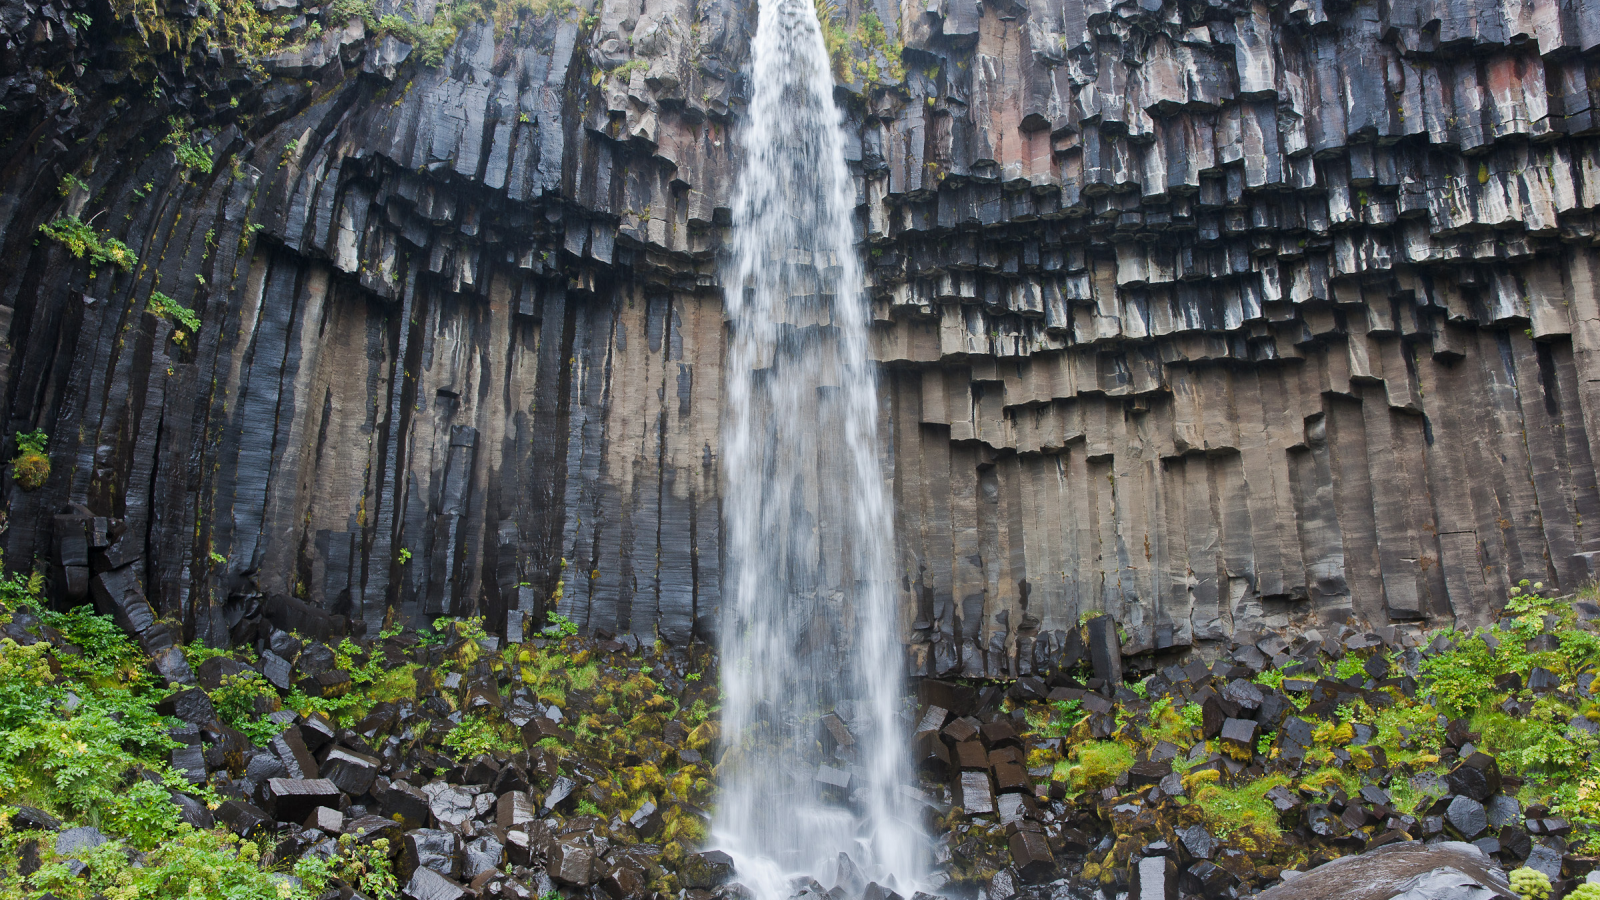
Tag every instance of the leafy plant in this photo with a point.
(1530, 884)
(1193, 715)
(365, 867)
(162, 305)
(70, 182)
(81, 240)
(31, 467)
(479, 734)
(187, 862)
(190, 155)
(561, 625)
(237, 700)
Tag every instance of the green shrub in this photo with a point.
(190, 155)
(479, 734)
(188, 863)
(162, 305)
(236, 703)
(1530, 884)
(365, 867)
(81, 240)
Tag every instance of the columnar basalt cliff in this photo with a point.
(1215, 316)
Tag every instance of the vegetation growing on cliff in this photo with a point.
(81, 240)
(869, 38)
(31, 467)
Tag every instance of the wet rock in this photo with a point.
(706, 870)
(426, 884)
(962, 730)
(1000, 733)
(77, 840)
(624, 883)
(876, 891)
(1546, 860)
(211, 673)
(1003, 886)
(514, 809)
(483, 855)
(835, 733)
(1207, 879)
(293, 799)
(432, 849)
(1409, 870)
(277, 670)
(1154, 878)
(976, 795)
(560, 795)
(1198, 842)
(1147, 772)
(29, 818)
(1477, 776)
(1243, 694)
(972, 755)
(646, 820)
(572, 862)
(453, 806)
(192, 812)
(1240, 735)
(297, 760)
(833, 781)
(190, 762)
(1467, 816)
(369, 828)
(403, 803)
(1030, 854)
(1542, 680)
(317, 732)
(351, 772)
(243, 819)
(1105, 649)
(327, 820)
(192, 706)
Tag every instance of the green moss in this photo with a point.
(584, 678)
(625, 71)
(1098, 763)
(399, 683)
(479, 734)
(1232, 810)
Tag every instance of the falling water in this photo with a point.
(809, 623)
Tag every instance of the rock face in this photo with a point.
(1212, 316)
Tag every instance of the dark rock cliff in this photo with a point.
(1215, 316)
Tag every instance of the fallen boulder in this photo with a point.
(1403, 871)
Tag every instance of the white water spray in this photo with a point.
(809, 621)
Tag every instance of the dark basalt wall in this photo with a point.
(1215, 316)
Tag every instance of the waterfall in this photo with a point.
(809, 619)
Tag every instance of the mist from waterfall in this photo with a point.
(809, 620)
